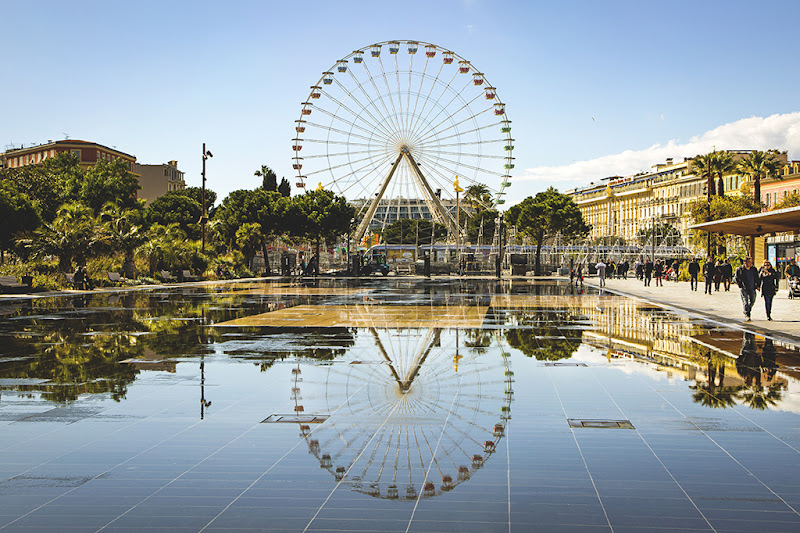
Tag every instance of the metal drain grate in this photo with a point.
(609, 424)
(295, 419)
(564, 364)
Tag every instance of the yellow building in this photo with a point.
(627, 206)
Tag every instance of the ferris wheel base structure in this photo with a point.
(401, 127)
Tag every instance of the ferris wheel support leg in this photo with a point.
(434, 204)
(363, 226)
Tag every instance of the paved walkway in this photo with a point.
(723, 307)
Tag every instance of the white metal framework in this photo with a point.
(401, 120)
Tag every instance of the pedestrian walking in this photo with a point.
(638, 269)
(717, 275)
(768, 279)
(694, 270)
(747, 279)
(709, 271)
(658, 273)
(648, 272)
(676, 267)
(625, 266)
(601, 272)
(580, 273)
(727, 274)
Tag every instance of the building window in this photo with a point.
(76, 153)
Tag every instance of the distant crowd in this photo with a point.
(716, 274)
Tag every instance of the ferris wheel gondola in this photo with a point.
(391, 131)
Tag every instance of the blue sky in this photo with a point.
(593, 88)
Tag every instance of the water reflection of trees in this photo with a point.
(539, 334)
(267, 346)
(65, 347)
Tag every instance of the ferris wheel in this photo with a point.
(396, 127)
(415, 418)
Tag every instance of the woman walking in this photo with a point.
(769, 286)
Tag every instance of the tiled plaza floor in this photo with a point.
(391, 405)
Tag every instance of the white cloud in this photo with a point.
(754, 133)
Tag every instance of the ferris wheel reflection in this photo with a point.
(418, 413)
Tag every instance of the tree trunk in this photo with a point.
(757, 191)
(537, 261)
(720, 186)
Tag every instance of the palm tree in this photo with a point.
(478, 195)
(71, 236)
(710, 165)
(123, 235)
(162, 245)
(755, 166)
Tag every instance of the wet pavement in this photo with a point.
(391, 405)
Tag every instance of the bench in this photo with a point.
(404, 268)
(114, 277)
(187, 276)
(9, 283)
(166, 276)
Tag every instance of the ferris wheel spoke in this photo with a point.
(411, 126)
(350, 123)
(389, 116)
(341, 132)
(400, 115)
(368, 185)
(376, 122)
(389, 97)
(467, 154)
(425, 119)
(458, 134)
(408, 93)
(434, 133)
(442, 108)
(337, 166)
(372, 101)
(450, 112)
(471, 167)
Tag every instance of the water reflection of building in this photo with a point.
(730, 362)
(150, 360)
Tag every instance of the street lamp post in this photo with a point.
(203, 217)
(458, 189)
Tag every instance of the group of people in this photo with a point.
(309, 269)
(715, 274)
(750, 279)
(609, 269)
(718, 273)
(81, 279)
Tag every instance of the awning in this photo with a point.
(757, 224)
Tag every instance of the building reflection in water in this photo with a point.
(728, 367)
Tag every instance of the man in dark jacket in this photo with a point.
(727, 274)
(709, 271)
(648, 272)
(747, 280)
(694, 270)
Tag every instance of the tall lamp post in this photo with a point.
(203, 217)
(458, 189)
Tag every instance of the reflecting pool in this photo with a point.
(390, 405)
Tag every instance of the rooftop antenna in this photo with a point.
(66, 135)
